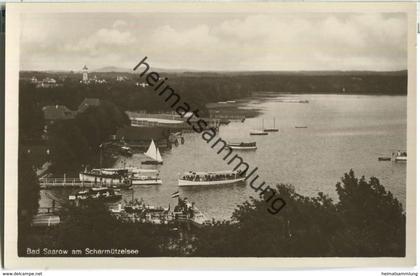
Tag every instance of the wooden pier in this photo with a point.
(47, 183)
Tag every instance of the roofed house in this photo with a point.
(46, 83)
(142, 136)
(88, 102)
(54, 113)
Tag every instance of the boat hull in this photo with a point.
(111, 198)
(400, 159)
(84, 177)
(243, 148)
(271, 130)
(384, 158)
(146, 181)
(151, 162)
(182, 182)
(258, 133)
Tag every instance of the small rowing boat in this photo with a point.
(243, 146)
(272, 129)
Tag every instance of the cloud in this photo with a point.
(119, 24)
(103, 39)
(271, 41)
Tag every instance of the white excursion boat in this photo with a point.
(145, 177)
(400, 156)
(242, 146)
(105, 176)
(115, 176)
(139, 176)
(153, 153)
(210, 178)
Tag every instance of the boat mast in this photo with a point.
(100, 156)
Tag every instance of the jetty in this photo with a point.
(47, 183)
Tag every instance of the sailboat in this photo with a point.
(272, 129)
(154, 154)
(259, 132)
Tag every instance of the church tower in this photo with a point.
(85, 77)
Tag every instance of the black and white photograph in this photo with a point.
(227, 131)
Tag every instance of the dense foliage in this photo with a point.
(28, 197)
(199, 89)
(74, 143)
(367, 221)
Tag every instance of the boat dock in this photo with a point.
(47, 183)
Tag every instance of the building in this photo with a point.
(45, 83)
(142, 136)
(54, 113)
(142, 84)
(85, 76)
(121, 78)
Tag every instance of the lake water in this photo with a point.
(343, 132)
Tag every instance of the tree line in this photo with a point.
(199, 89)
(366, 221)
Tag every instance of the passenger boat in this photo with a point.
(243, 146)
(399, 156)
(272, 129)
(145, 177)
(137, 211)
(153, 153)
(210, 178)
(186, 210)
(99, 193)
(105, 176)
(138, 176)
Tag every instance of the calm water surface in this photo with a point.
(344, 132)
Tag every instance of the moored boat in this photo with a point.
(186, 210)
(145, 177)
(258, 132)
(243, 146)
(272, 129)
(126, 151)
(97, 193)
(383, 158)
(138, 176)
(210, 178)
(399, 156)
(105, 176)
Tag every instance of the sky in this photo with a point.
(215, 41)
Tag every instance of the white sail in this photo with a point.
(158, 156)
(153, 152)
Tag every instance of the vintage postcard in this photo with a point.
(243, 135)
